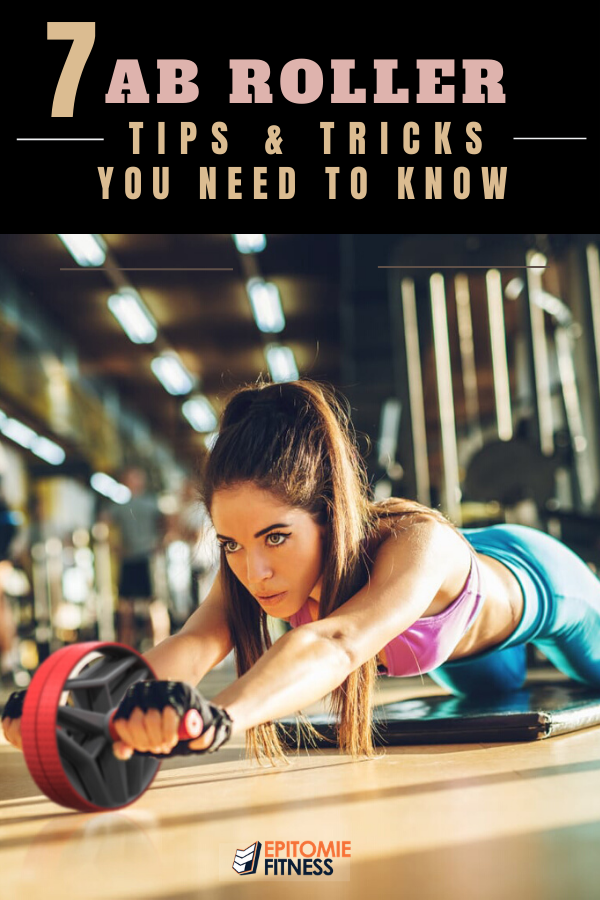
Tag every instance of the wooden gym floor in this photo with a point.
(471, 821)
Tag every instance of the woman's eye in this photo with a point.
(226, 545)
(278, 534)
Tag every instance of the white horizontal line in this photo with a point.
(60, 139)
(439, 266)
(550, 139)
(154, 269)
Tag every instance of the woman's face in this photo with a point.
(270, 547)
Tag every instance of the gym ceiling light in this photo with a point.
(210, 440)
(281, 363)
(172, 373)
(110, 488)
(132, 315)
(26, 437)
(200, 414)
(250, 243)
(266, 305)
(86, 249)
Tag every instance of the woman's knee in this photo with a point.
(499, 682)
(499, 673)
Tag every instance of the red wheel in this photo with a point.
(28, 731)
(66, 739)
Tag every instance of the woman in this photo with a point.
(360, 583)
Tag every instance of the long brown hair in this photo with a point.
(297, 440)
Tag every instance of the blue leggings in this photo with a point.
(561, 614)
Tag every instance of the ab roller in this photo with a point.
(68, 733)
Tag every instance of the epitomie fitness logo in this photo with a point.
(246, 861)
(292, 857)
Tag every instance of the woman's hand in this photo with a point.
(153, 732)
(11, 718)
(12, 732)
(148, 718)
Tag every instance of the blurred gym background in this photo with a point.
(471, 361)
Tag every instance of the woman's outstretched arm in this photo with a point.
(301, 667)
(203, 642)
(307, 663)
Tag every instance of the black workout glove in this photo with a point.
(14, 705)
(182, 697)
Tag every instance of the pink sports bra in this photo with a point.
(430, 640)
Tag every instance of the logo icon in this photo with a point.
(246, 861)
